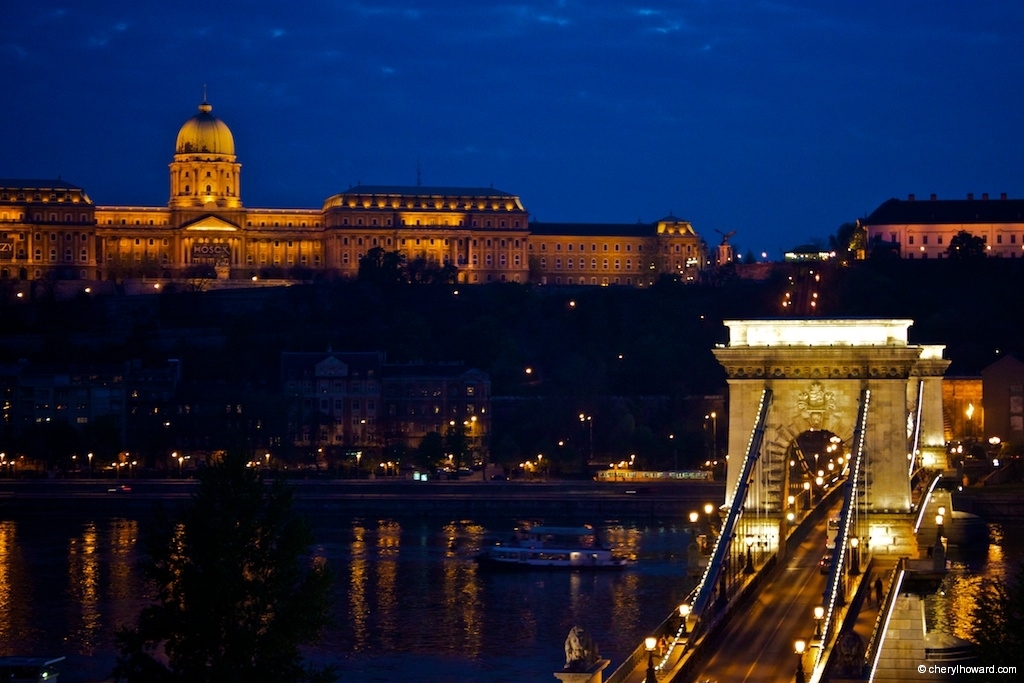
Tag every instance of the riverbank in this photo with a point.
(549, 500)
(1004, 501)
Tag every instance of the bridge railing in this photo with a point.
(835, 586)
(885, 610)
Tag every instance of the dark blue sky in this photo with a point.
(779, 120)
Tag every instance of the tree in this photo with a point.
(382, 268)
(236, 598)
(430, 452)
(965, 246)
(456, 443)
(849, 241)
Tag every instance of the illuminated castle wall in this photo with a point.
(53, 229)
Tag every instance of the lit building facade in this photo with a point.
(633, 254)
(357, 400)
(918, 228)
(52, 229)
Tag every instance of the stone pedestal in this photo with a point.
(591, 675)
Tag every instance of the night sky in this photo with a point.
(779, 120)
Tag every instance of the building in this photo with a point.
(1003, 389)
(923, 228)
(52, 229)
(633, 254)
(356, 400)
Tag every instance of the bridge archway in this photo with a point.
(816, 369)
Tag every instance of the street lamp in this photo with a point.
(854, 556)
(807, 500)
(650, 642)
(799, 647)
(749, 569)
(684, 614)
(939, 528)
(589, 421)
(819, 614)
(713, 416)
(90, 463)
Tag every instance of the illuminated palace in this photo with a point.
(923, 228)
(52, 229)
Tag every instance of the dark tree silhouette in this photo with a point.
(964, 246)
(237, 596)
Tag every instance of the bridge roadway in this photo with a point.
(758, 645)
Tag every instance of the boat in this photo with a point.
(551, 547)
(30, 669)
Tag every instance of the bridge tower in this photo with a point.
(816, 370)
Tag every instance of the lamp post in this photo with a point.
(589, 421)
(684, 614)
(854, 556)
(807, 499)
(749, 568)
(708, 509)
(713, 416)
(819, 614)
(650, 642)
(939, 528)
(799, 647)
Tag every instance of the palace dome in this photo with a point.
(205, 134)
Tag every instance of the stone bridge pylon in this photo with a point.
(816, 369)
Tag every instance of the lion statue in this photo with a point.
(580, 650)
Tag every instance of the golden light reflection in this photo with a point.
(461, 589)
(84, 584)
(124, 534)
(9, 622)
(389, 535)
(358, 579)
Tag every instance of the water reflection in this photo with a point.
(951, 608)
(83, 586)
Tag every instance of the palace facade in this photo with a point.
(52, 229)
(922, 228)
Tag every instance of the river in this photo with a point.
(409, 602)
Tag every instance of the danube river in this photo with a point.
(409, 602)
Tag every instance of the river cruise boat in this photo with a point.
(30, 669)
(551, 547)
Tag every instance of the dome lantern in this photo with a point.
(205, 134)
